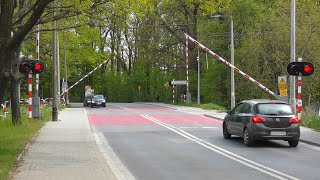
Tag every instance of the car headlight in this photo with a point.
(104, 101)
(92, 101)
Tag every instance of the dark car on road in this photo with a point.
(262, 120)
(87, 101)
(98, 100)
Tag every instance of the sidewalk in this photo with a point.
(64, 150)
(308, 136)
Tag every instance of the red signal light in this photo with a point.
(308, 68)
(38, 67)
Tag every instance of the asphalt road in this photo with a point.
(142, 141)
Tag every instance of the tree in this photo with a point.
(17, 18)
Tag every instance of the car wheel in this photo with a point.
(226, 133)
(247, 139)
(293, 143)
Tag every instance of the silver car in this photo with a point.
(260, 120)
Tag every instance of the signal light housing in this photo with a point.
(300, 68)
(31, 67)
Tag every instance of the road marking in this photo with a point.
(189, 127)
(193, 127)
(124, 108)
(264, 169)
(117, 167)
(210, 127)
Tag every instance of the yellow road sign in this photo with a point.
(282, 86)
(283, 92)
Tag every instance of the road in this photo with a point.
(143, 141)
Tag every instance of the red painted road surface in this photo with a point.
(118, 119)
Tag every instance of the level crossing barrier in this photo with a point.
(228, 64)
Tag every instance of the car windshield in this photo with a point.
(98, 97)
(274, 109)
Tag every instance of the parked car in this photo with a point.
(98, 100)
(262, 120)
(87, 101)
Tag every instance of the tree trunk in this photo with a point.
(5, 56)
(14, 92)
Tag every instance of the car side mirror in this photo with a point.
(228, 112)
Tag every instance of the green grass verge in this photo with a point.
(209, 106)
(311, 120)
(13, 139)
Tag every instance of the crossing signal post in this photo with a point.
(29, 67)
(300, 68)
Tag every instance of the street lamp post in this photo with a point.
(293, 55)
(198, 59)
(233, 98)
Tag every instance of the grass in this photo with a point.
(13, 139)
(311, 120)
(209, 106)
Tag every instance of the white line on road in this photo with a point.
(117, 167)
(272, 172)
(191, 127)
(210, 127)
(115, 164)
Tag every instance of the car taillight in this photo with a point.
(294, 120)
(258, 119)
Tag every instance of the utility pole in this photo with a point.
(58, 69)
(293, 55)
(233, 98)
(54, 68)
(198, 58)
(65, 71)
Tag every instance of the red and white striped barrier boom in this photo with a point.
(173, 93)
(30, 97)
(85, 76)
(37, 58)
(230, 65)
(187, 65)
(299, 97)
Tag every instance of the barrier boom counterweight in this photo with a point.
(230, 65)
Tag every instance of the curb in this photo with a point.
(310, 143)
(209, 116)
